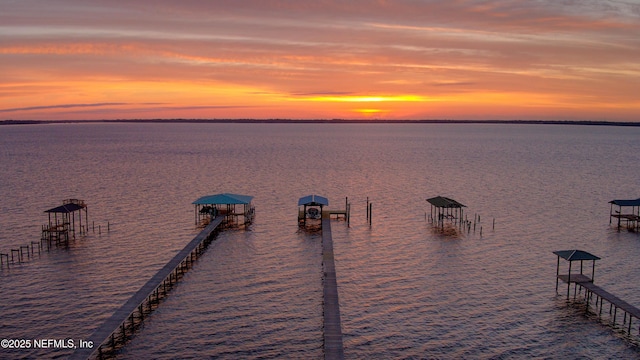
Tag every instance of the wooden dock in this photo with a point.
(333, 348)
(601, 294)
(631, 218)
(123, 321)
(585, 282)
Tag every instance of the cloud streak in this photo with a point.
(62, 106)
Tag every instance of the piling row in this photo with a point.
(27, 252)
(465, 224)
(119, 328)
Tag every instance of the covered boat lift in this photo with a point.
(631, 219)
(310, 206)
(209, 206)
(59, 227)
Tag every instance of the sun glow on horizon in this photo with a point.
(370, 112)
(354, 98)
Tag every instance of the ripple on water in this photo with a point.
(405, 292)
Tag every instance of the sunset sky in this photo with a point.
(456, 59)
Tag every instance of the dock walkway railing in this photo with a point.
(149, 294)
(615, 303)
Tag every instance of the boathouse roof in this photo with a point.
(574, 255)
(313, 200)
(65, 209)
(444, 202)
(224, 199)
(635, 202)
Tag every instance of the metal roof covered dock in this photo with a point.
(209, 206)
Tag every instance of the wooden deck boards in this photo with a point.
(612, 299)
(575, 278)
(586, 283)
(333, 347)
(112, 324)
(632, 217)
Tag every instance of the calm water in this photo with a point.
(405, 292)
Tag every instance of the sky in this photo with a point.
(320, 59)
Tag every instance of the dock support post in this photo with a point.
(557, 273)
(569, 281)
(18, 252)
(24, 247)
(600, 312)
(39, 245)
(367, 208)
(3, 256)
(586, 301)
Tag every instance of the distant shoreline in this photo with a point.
(326, 121)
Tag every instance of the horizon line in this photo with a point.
(327, 121)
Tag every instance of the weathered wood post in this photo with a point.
(569, 281)
(557, 273)
(367, 207)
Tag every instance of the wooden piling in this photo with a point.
(367, 207)
(2, 256)
(24, 247)
(39, 243)
(18, 252)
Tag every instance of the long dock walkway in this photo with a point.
(333, 348)
(125, 316)
(615, 302)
